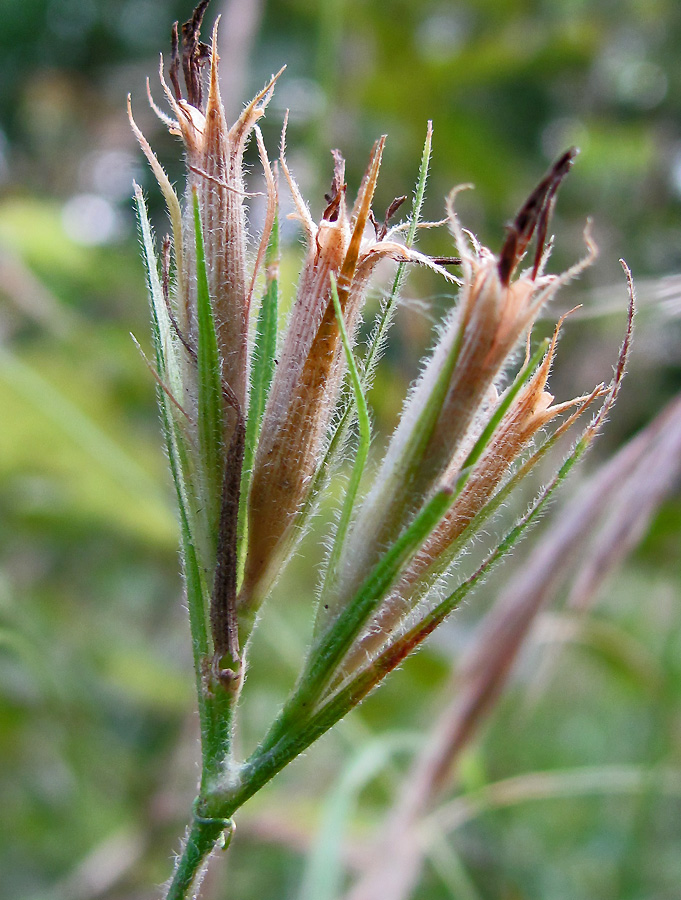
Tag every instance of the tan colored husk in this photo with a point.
(487, 665)
(531, 410)
(307, 379)
(491, 321)
(215, 163)
(215, 172)
(311, 365)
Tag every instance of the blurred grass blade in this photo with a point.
(362, 449)
(650, 468)
(210, 409)
(450, 869)
(636, 482)
(612, 644)
(81, 429)
(584, 782)
(323, 875)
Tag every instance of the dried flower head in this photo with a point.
(348, 246)
(253, 431)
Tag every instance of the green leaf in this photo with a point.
(609, 780)
(210, 407)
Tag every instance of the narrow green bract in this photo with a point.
(360, 458)
(210, 404)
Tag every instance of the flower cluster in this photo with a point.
(252, 428)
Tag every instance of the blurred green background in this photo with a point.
(98, 752)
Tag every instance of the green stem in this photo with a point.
(285, 744)
(330, 648)
(203, 837)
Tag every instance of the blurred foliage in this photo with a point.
(97, 731)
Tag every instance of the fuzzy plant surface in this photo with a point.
(256, 422)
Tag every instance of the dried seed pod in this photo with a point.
(311, 365)
(438, 421)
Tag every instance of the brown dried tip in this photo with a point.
(338, 188)
(623, 358)
(533, 216)
(194, 56)
(389, 213)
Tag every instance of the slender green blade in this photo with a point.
(507, 399)
(328, 651)
(265, 347)
(160, 321)
(210, 408)
(360, 458)
(262, 373)
(378, 338)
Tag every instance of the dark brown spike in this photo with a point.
(533, 216)
(194, 55)
(374, 222)
(338, 187)
(174, 71)
(389, 213)
(542, 230)
(446, 260)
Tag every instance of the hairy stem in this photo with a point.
(204, 835)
